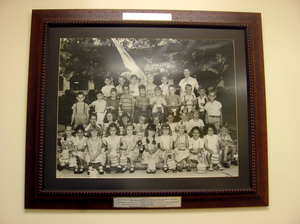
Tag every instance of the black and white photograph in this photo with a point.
(147, 108)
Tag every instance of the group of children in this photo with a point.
(155, 125)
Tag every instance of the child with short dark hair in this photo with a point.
(173, 101)
(188, 99)
(108, 80)
(112, 104)
(142, 103)
(195, 121)
(134, 86)
(171, 123)
(100, 106)
(158, 102)
(227, 146)
(150, 86)
(164, 85)
(93, 121)
(80, 115)
(126, 102)
(141, 126)
(213, 110)
(122, 81)
(123, 121)
(201, 101)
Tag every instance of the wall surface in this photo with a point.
(281, 31)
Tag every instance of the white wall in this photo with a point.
(281, 33)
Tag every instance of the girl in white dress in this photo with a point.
(181, 150)
(95, 156)
(211, 144)
(113, 143)
(197, 152)
(67, 147)
(130, 148)
(80, 146)
(166, 147)
(150, 155)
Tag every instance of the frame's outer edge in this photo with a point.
(260, 112)
(33, 110)
(35, 197)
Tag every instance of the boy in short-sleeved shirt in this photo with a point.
(213, 110)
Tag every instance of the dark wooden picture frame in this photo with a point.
(37, 193)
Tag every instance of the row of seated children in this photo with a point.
(174, 149)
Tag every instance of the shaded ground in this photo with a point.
(230, 172)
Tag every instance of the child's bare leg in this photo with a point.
(166, 169)
(119, 167)
(179, 166)
(209, 162)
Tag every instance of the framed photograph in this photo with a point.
(146, 109)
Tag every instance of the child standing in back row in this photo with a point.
(108, 86)
(80, 115)
(126, 102)
(99, 105)
(213, 110)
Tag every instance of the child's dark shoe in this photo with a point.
(179, 169)
(131, 170)
(174, 171)
(234, 162)
(101, 171)
(225, 165)
(59, 167)
(81, 170)
(123, 170)
(76, 171)
(119, 169)
(107, 169)
(166, 170)
(188, 169)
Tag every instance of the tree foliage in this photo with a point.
(211, 60)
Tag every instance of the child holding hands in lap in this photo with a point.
(95, 156)
(80, 146)
(166, 147)
(113, 143)
(181, 150)
(129, 145)
(211, 144)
